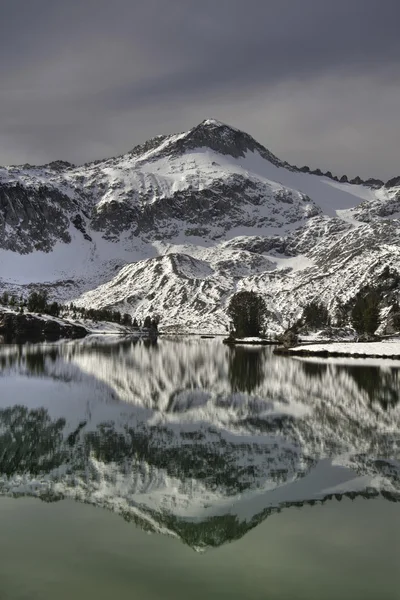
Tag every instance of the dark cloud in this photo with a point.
(314, 80)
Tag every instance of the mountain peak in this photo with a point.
(218, 137)
(216, 123)
(210, 134)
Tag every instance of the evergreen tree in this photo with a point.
(316, 314)
(365, 312)
(247, 311)
(5, 298)
(155, 321)
(32, 301)
(147, 322)
(116, 316)
(395, 314)
(37, 301)
(340, 314)
(127, 320)
(53, 309)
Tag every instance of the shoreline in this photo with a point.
(28, 327)
(380, 349)
(249, 342)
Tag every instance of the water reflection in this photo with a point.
(193, 438)
(245, 368)
(314, 369)
(30, 442)
(381, 385)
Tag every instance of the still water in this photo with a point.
(258, 476)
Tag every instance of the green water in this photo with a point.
(285, 472)
(341, 550)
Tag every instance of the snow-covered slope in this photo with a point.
(179, 223)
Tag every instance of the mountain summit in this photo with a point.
(209, 134)
(223, 139)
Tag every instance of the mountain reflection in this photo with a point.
(30, 441)
(192, 438)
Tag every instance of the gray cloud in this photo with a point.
(316, 81)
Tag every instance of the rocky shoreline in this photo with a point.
(21, 328)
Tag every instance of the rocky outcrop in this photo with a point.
(395, 182)
(372, 182)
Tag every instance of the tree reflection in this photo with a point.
(35, 363)
(314, 369)
(381, 385)
(245, 368)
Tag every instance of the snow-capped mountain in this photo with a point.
(180, 223)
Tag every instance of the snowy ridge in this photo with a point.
(98, 234)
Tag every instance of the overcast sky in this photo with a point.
(315, 81)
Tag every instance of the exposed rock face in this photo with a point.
(227, 205)
(387, 208)
(33, 218)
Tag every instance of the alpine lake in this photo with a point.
(184, 468)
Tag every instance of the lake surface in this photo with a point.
(259, 476)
